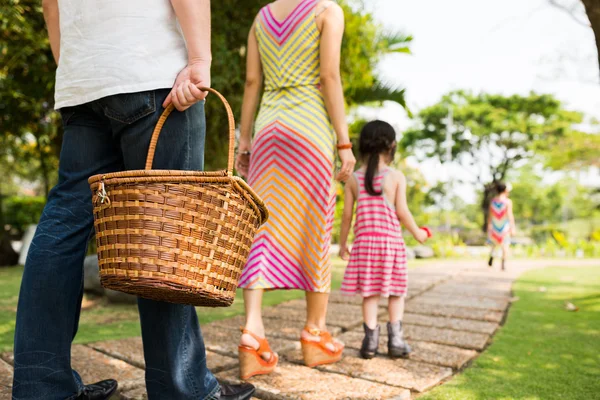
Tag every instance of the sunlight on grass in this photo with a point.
(543, 351)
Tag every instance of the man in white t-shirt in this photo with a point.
(119, 63)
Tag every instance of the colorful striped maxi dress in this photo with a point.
(499, 233)
(292, 161)
(378, 259)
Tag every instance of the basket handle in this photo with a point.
(171, 107)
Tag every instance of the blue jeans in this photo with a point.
(106, 135)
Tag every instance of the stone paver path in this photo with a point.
(452, 313)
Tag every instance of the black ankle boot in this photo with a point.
(102, 390)
(370, 343)
(397, 347)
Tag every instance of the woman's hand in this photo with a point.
(348, 163)
(242, 163)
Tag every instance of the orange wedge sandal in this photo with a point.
(251, 362)
(317, 353)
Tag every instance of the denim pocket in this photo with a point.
(129, 107)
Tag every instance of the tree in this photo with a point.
(592, 10)
(573, 151)
(492, 133)
(27, 87)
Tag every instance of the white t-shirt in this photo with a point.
(109, 47)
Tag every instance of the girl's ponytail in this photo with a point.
(372, 164)
(376, 138)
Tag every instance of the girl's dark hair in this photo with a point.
(376, 137)
(500, 187)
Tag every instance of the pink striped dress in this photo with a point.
(378, 259)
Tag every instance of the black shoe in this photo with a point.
(370, 343)
(99, 391)
(397, 346)
(491, 261)
(242, 391)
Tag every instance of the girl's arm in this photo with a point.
(254, 79)
(404, 214)
(511, 218)
(332, 32)
(347, 215)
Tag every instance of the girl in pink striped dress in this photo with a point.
(377, 266)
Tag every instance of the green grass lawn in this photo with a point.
(104, 321)
(544, 351)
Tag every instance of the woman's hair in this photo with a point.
(500, 187)
(376, 137)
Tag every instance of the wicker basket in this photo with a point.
(175, 236)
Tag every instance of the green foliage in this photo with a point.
(23, 211)
(365, 43)
(575, 150)
(543, 351)
(492, 133)
(537, 203)
(29, 124)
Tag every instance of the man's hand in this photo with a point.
(185, 92)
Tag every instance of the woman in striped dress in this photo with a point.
(377, 266)
(501, 223)
(294, 52)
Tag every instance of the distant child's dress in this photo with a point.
(499, 232)
(378, 259)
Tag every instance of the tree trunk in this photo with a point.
(7, 254)
(592, 9)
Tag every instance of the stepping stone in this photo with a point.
(416, 307)
(225, 341)
(485, 289)
(131, 351)
(343, 315)
(275, 328)
(6, 376)
(8, 357)
(409, 374)
(432, 353)
(451, 323)
(464, 301)
(489, 282)
(440, 354)
(296, 382)
(135, 390)
(94, 366)
(138, 393)
(338, 297)
(456, 289)
(467, 340)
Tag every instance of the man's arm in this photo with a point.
(194, 19)
(52, 23)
